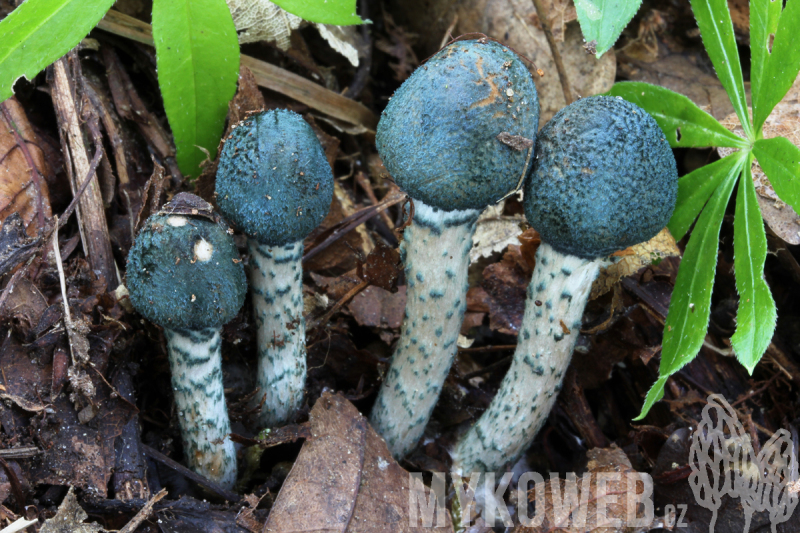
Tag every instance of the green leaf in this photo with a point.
(694, 190)
(28, 41)
(604, 20)
(655, 393)
(716, 28)
(780, 160)
(197, 55)
(687, 318)
(755, 320)
(781, 66)
(684, 124)
(339, 12)
(764, 16)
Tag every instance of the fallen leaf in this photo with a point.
(633, 259)
(344, 479)
(494, 232)
(505, 284)
(377, 307)
(70, 518)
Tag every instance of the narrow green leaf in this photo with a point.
(764, 16)
(696, 187)
(687, 318)
(716, 28)
(39, 32)
(755, 320)
(197, 55)
(781, 66)
(780, 160)
(604, 20)
(339, 12)
(684, 124)
(655, 393)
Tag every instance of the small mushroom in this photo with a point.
(441, 138)
(274, 183)
(604, 178)
(184, 274)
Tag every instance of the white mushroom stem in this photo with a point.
(555, 302)
(276, 284)
(435, 250)
(196, 364)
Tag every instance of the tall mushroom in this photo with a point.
(457, 136)
(274, 183)
(184, 274)
(604, 178)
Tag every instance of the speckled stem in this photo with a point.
(196, 364)
(276, 283)
(435, 250)
(561, 284)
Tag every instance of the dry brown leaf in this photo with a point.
(18, 192)
(70, 518)
(634, 258)
(494, 232)
(601, 503)
(378, 307)
(784, 121)
(344, 479)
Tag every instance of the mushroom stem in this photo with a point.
(196, 364)
(276, 284)
(555, 302)
(435, 250)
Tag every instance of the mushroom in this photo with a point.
(457, 136)
(604, 178)
(184, 274)
(274, 183)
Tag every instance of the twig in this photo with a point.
(541, 11)
(23, 452)
(143, 513)
(756, 391)
(188, 474)
(352, 293)
(76, 197)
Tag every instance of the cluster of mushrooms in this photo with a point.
(459, 135)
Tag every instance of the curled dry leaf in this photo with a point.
(344, 479)
(634, 258)
(494, 232)
(261, 20)
(784, 121)
(18, 189)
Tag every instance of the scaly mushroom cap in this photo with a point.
(184, 273)
(438, 135)
(604, 178)
(273, 181)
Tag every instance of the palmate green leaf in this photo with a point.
(756, 318)
(764, 16)
(694, 190)
(716, 29)
(687, 318)
(197, 55)
(604, 20)
(684, 124)
(780, 160)
(339, 12)
(39, 32)
(781, 66)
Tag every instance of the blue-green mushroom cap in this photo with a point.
(274, 182)
(438, 137)
(184, 272)
(604, 178)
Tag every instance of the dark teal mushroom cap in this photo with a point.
(438, 137)
(184, 273)
(604, 178)
(274, 182)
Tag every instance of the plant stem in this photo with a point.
(561, 284)
(196, 364)
(276, 284)
(544, 20)
(435, 250)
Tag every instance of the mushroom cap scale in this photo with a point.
(438, 134)
(603, 178)
(274, 182)
(184, 273)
